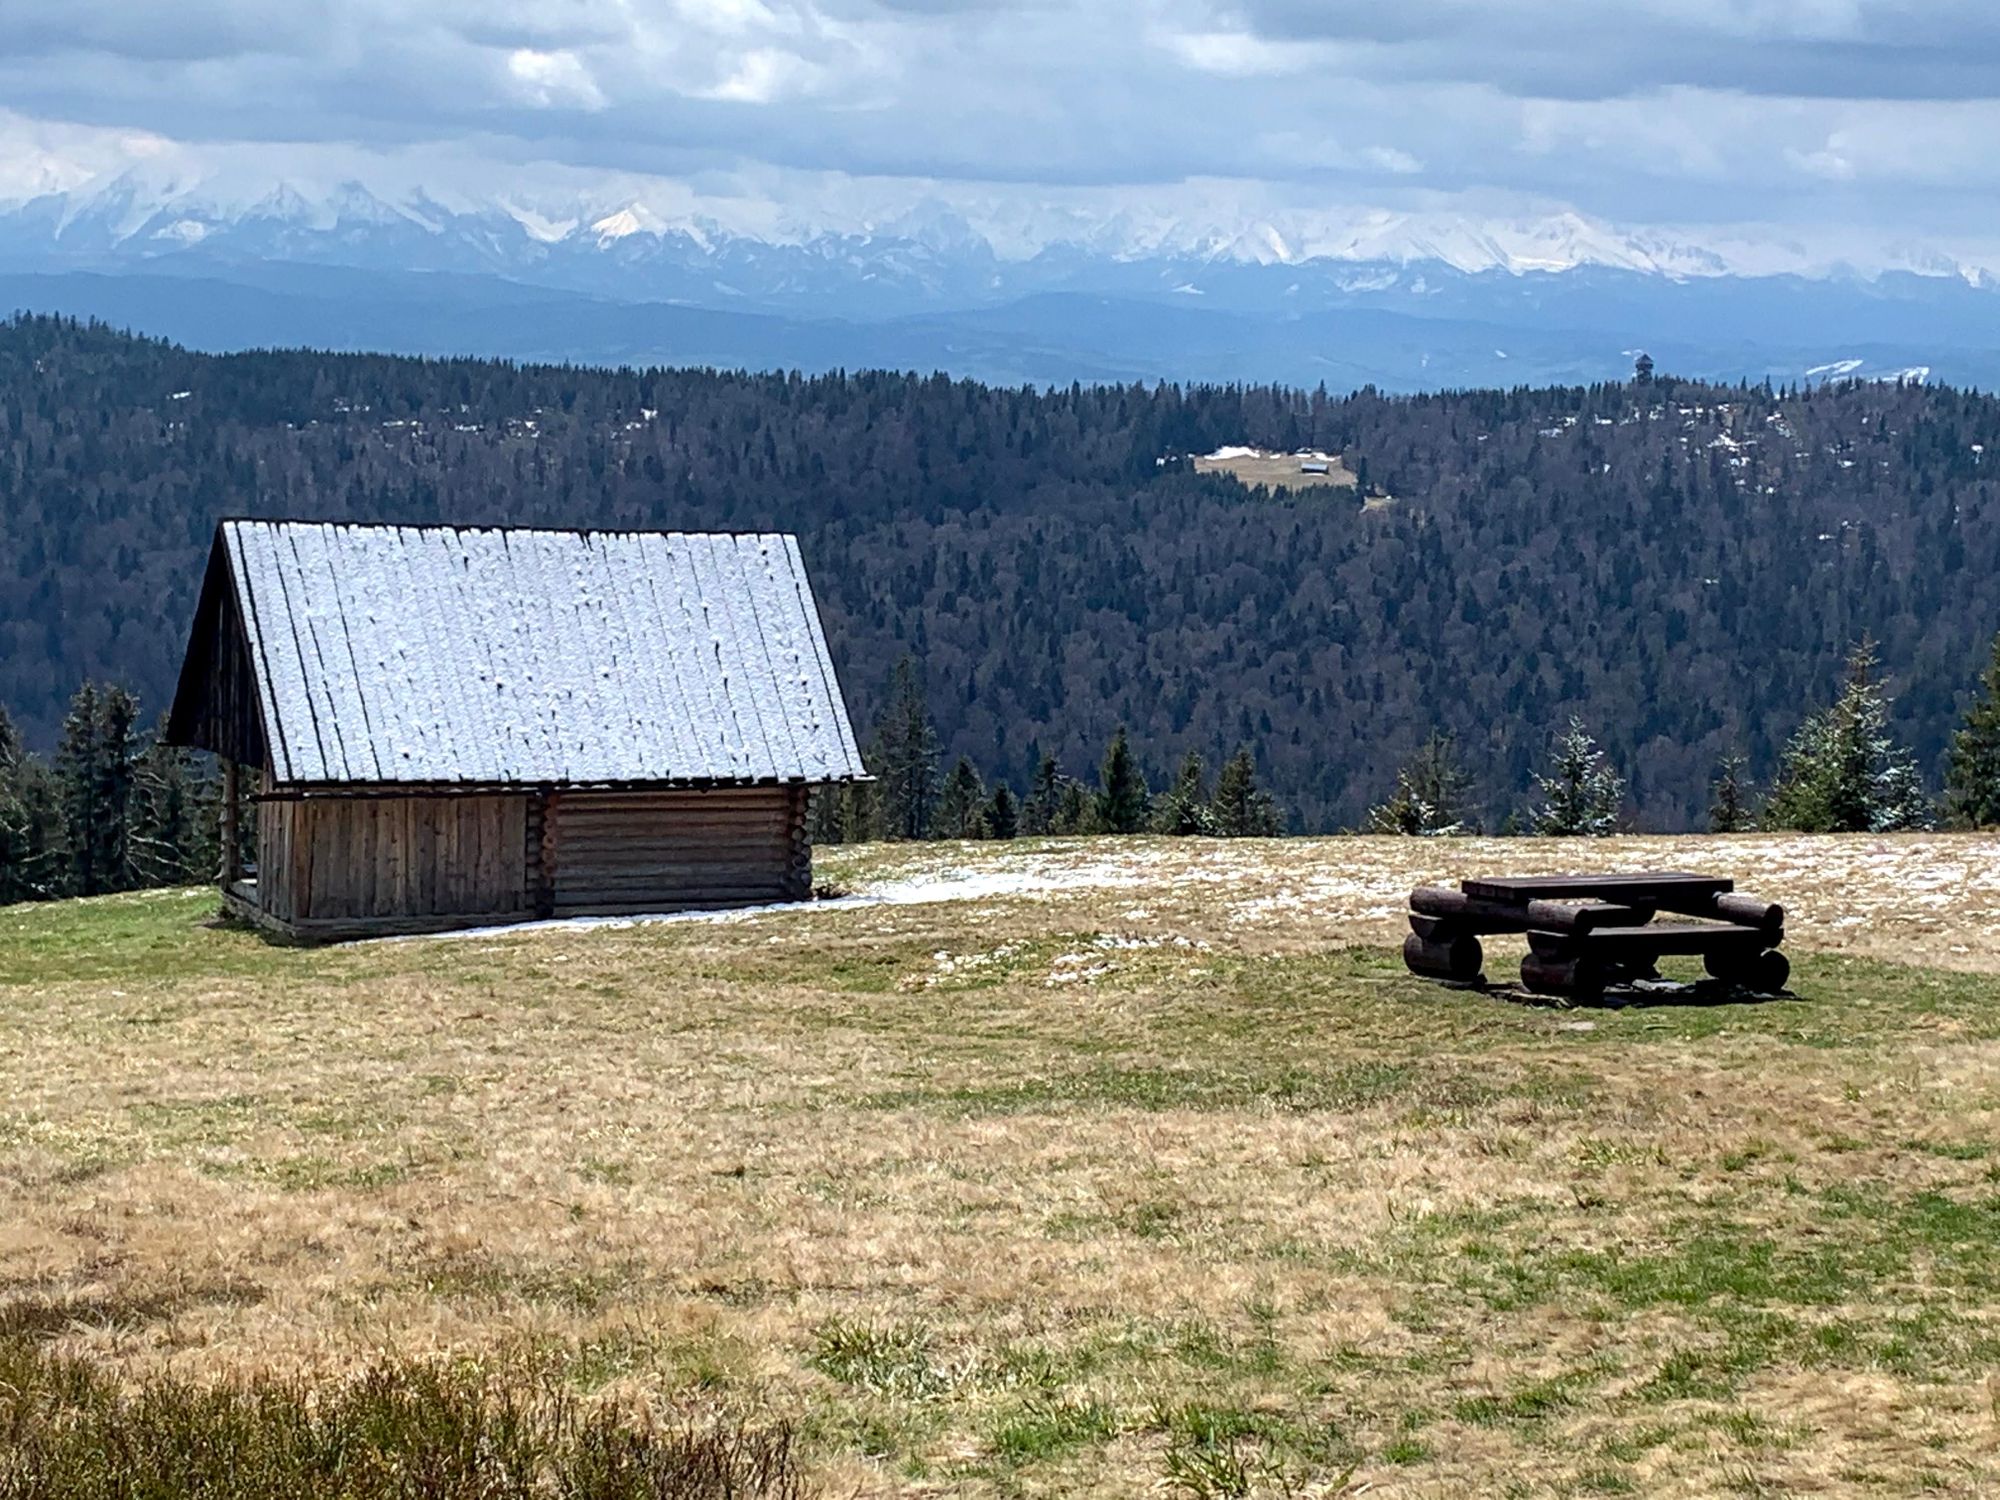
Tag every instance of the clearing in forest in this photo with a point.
(1297, 471)
(1111, 1166)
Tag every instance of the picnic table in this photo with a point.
(1587, 932)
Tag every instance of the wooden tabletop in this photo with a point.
(1636, 887)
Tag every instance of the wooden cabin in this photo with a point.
(449, 727)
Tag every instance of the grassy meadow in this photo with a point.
(1119, 1167)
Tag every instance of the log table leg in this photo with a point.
(1456, 957)
(1765, 973)
(1580, 979)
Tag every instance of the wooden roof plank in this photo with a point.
(433, 655)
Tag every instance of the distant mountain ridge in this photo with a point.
(1403, 301)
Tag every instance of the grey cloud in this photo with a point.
(1907, 49)
(1701, 111)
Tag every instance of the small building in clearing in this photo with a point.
(446, 727)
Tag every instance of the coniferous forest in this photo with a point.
(1683, 568)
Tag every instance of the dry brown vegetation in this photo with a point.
(1100, 1165)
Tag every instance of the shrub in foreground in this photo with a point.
(69, 1431)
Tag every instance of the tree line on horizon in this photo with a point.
(912, 798)
(1843, 771)
(113, 810)
(1680, 565)
(116, 810)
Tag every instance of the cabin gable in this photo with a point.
(218, 704)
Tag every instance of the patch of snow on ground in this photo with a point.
(1027, 877)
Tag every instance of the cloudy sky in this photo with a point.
(1771, 117)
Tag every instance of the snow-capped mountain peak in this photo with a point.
(826, 243)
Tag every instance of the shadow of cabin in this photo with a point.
(446, 727)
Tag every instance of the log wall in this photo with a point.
(343, 858)
(359, 866)
(609, 852)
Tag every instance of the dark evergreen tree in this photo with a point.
(22, 877)
(1972, 783)
(961, 805)
(1431, 797)
(1043, 807)
(95, 768)
(77, 781)
(1843, 771)
(1003, 813)
(826, 815)
(173, 828)
(31, 854)
(848, 812)
(1075, 811)
(1122, 803)
(907, 757)
(1581, 794)
(1242, 809)
(1729, 797)
(1183, 807)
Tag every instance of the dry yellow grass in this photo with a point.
(1085, 1165)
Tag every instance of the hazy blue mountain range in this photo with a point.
(1411, 305)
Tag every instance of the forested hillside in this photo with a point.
(1681, 565)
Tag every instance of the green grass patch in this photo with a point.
(1043, 1428)
(893, 1360)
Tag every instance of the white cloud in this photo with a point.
(1239, 54)
(553, 80)
(762, 76)
(1826, 163)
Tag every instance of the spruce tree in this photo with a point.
(1581, 793)
(907, 757)
(1003, 813)
(1729, 797)
(76, 780)
(1183, 807)
(1430, 794)
(31, 851)
(173, 825)
(95, 769)
(1122, 803)
(15, 881)
(1074, 809)
(1843, 772)
(1972, 783)
(1241, 809)
(861, 812)
(1044, 801)
(961, 805)
(826, 820)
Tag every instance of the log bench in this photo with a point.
(1587, 932)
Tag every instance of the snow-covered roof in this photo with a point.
(396, 654)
